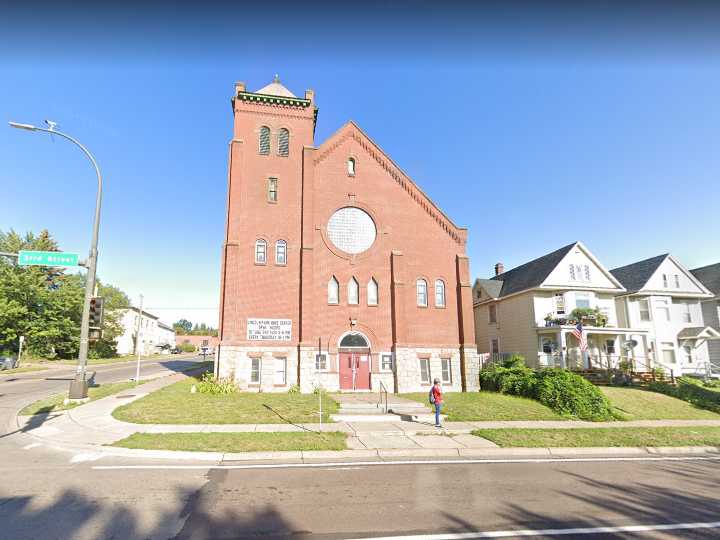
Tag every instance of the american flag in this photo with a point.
(580, 335)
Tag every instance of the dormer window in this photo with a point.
(351, 166)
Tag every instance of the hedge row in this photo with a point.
(692, 391)
(564, 392)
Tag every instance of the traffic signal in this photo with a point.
(96, 313)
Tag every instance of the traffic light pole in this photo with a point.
(79, 386)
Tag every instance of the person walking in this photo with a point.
(436, 398)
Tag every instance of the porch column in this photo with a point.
(563, 349)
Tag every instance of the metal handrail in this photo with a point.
(383, 390)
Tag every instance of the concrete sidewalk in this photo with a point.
(91, 427)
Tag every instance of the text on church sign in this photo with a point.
(269, 329)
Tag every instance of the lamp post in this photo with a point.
(79, 387)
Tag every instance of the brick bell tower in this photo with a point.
(260, 279)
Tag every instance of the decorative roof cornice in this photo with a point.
(274, 100)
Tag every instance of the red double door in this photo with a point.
(354, 371)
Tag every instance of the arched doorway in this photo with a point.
(354, 361)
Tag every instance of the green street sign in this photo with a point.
(47, 258)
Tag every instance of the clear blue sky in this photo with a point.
(532, 128)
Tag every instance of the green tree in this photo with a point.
(45, 305)
(183, 327)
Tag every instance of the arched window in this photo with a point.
(421, 287)
(281, 252)
(353, 291)
(283, 142)
(264, 147)
(260, 251)
(351, 166)
(333, 291)
(439, 293)
(372, 292)
(354, 340)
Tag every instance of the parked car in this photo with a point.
(7, 362)
(176, 350)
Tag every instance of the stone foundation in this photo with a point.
(235, 362)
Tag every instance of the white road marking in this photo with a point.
(32, 445)
(555, 532)
(86, 456)
(357, 464)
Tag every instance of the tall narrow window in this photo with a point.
(665, 281)
(687, 354)
(586, 272)
(572, 273)
(677, 281)
(283, 142)
(264, 146)
(439, 293)
(321, 362)
(333, 291)
(559, 304)
(446, 366)
(494, 346)
(254, 370)
(663, 308)
(281, 252)
(668, 352)
(280, 371)
(272, 189)
(353, 291)
(421, 288)
(686, 313)
(425, 370)
(492, 313)
(644, 305)
(260, 252)
(372, 292)
(351, 166)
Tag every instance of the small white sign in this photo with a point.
(269, 329)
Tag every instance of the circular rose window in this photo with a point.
(351, 229)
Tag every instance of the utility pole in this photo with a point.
(79, 386)
(137, 342)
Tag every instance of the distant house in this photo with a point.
(530, 310)
(198, 342)
(710, 277)
(664, 298)
(153, 333)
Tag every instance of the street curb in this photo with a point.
(347, 456)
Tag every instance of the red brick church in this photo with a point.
(337, 270)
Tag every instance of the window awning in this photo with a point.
(698, 332)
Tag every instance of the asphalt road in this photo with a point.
(49, 494)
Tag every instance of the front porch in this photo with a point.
(608, 348)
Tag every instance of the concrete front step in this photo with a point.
(426, 418)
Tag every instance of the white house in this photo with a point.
(153, 333)
(529, 311)
(710, 277)
(664, 298)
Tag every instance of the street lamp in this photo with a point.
(79, 387)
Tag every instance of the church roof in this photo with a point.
(275, 88)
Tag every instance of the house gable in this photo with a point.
(351, 131)
(668, 269)
(709, 276)
(586, 273)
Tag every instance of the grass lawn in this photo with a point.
(235, 442)
(175, 404)
(588, 437)
(22, 369)
(638, 404)
(479, 406)
(55, 403)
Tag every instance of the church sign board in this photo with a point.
(269, 329)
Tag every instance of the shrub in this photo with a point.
(692, 391)
(515, 361)
(515, 380)
(294, 389)
(569, 394)
(186, 347)
(210, 385)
